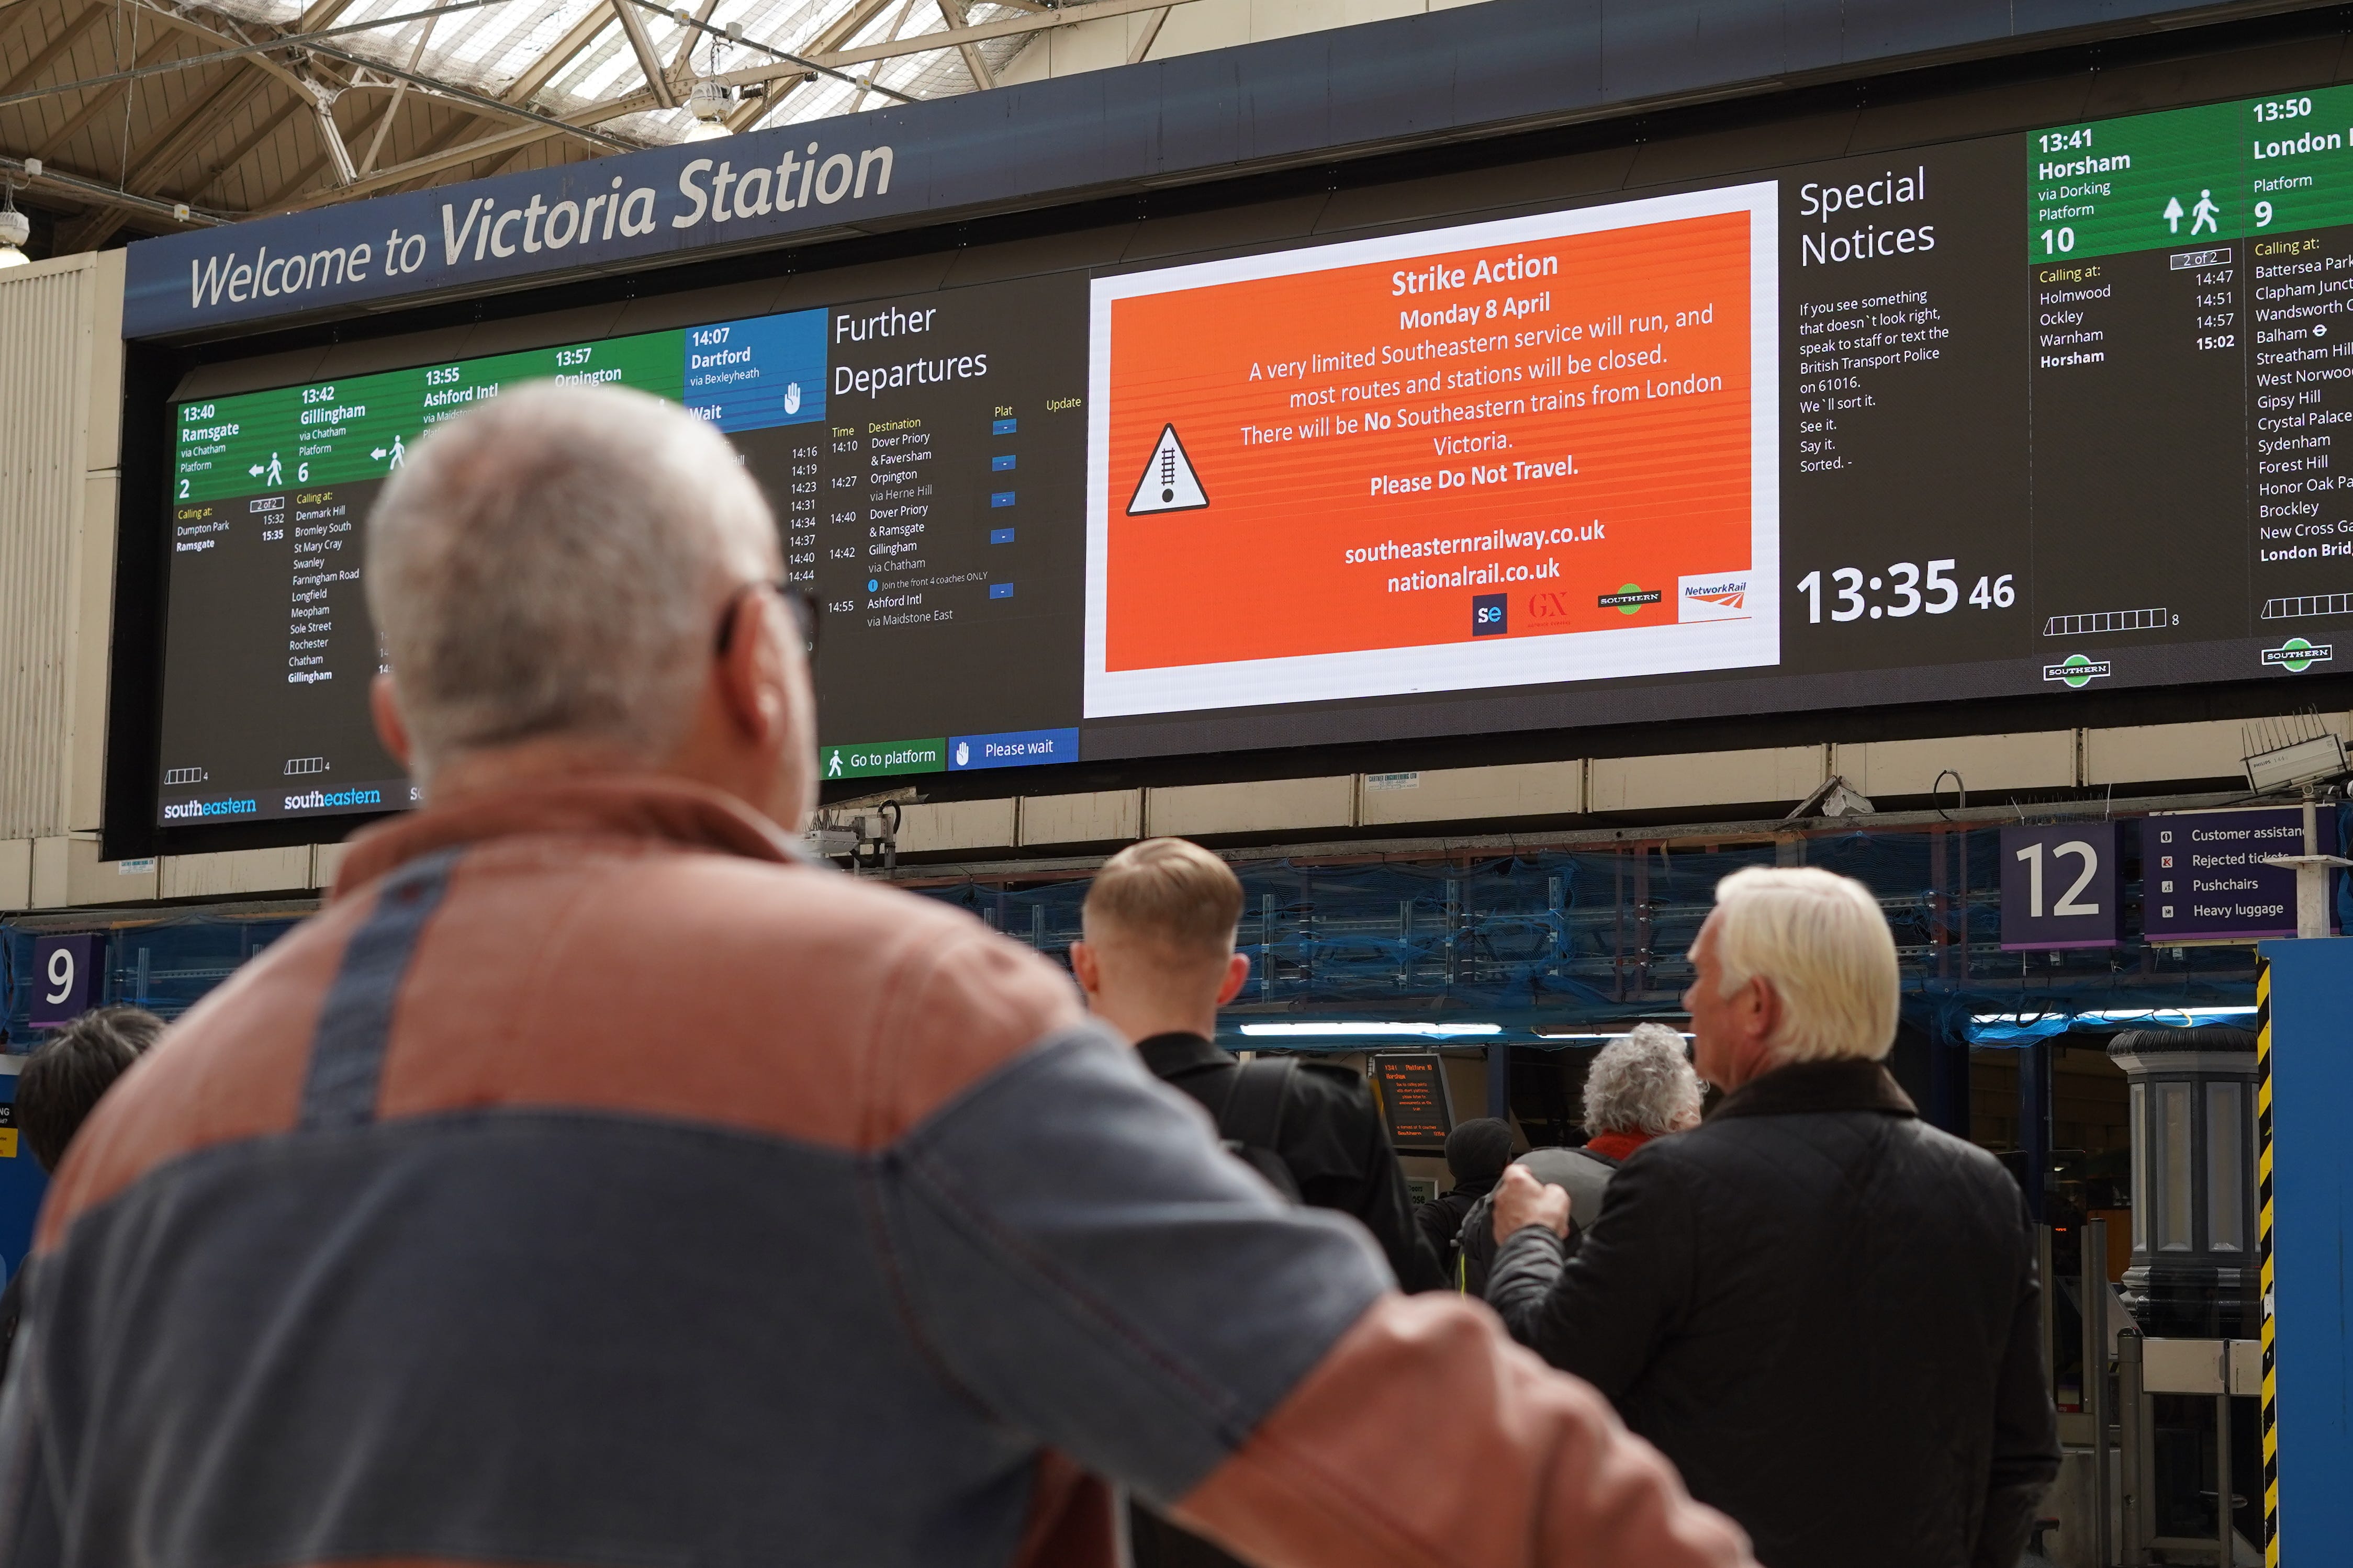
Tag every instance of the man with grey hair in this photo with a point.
(1638, 1086)
(1823, 1310)
(593, 1182)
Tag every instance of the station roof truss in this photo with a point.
(152, 116)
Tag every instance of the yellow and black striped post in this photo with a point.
(2263, 1242)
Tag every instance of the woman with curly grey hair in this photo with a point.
(1639, 1088)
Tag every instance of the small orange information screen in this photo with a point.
(1413, 1097)
(1533, 450)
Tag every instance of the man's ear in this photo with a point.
(1765, 1010)
(384, 706)
(751, 683)
(1237, 972)
(1084, 968)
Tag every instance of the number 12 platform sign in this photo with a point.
(2059, 886)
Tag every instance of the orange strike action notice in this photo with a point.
(1510, 453)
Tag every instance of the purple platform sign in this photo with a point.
(2203, 877)
(2059, 886)
(65, 976)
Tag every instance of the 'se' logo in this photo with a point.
(1488, 615)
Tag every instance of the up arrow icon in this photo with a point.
(2173, 215)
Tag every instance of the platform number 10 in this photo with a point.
(2074, 848)
(2058, 241)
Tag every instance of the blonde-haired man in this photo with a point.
(1824, 1311)
(1156, 963)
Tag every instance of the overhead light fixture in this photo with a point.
(16, 228)
(1833, 798)
(1615, 1035)
(2314, 760)
(1371, 1031)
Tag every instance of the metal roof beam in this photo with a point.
(648, 62)
(567, 48)
(931, 43)
(975, 62)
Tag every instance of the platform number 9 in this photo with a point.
(61, 974)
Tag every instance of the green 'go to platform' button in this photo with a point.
(872, 758)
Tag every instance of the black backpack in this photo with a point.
(1251, 1122)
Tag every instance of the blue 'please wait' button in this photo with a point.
(999, 464)
(1018, 748)
(1000, 590)
(1001, 497)
(1001, 536)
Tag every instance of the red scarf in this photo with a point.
(1618, 1145)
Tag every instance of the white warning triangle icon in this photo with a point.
(1169, 483)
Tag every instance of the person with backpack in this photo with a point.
(1156, 963)
(1639, 1088)
(1476, 1152)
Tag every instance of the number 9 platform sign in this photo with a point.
(2059, 886)
(66, 970)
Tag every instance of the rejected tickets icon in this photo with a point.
(1169, 482)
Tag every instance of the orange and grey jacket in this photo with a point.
(593, 1184)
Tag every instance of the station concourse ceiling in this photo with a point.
(121, 118)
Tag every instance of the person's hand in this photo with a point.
(1522, 1201)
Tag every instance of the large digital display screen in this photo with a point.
(2033, 413)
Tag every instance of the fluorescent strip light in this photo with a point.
(1330, 1031)
(2115, 1015)
(1547, 1035)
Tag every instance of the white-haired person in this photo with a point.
(1822, 1309)
(1640, 1087)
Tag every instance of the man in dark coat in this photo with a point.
(1476, 1154)
(1823, 1310)
(1158, 963)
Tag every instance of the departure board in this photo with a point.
(922, 458)
(2041, 412)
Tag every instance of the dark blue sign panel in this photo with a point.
(2203, 877)
(2307, 1160)
(66, 970)
(1191, 116)
(1015, 749)
(759, 374)
(2059, 886)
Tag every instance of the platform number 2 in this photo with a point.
(2074, 848)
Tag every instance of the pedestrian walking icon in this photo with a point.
(399, 452)
(1169, 482)
(277, 475)
(833, 763)
(2202, 215)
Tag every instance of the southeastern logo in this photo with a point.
(1722, 597)
(2078, 671)
(2295, 655)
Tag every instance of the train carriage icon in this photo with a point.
(1169, 482)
